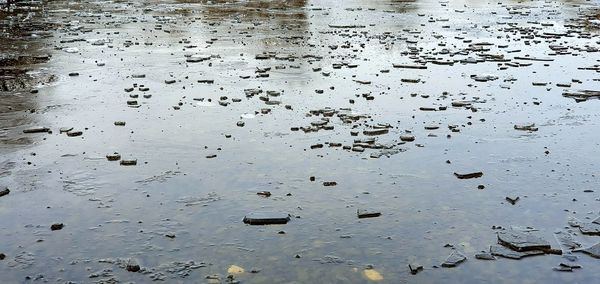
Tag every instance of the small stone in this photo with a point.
(519, 241)
(128, 162)
(526, 127)
(593, 251)
(74, 133)
(4, 192)
(469, 175)
(329, 183)
(572, 266)
(592, 229)
(65, 129)
(562, 269)
(485, 256)
(120, 123)
(264, 193)
(266, 218)
(133, 267)
(415, 268)
(240, 123)
(407, 138)
(374, 132)
(508, 253)
(56, 227)
(37, 130)
(362, 213)
(512, 199)
(113, 157)
(2, 256)
(454, 259)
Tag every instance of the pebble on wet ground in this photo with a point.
(4, 192)
(454, 259)
(366, 213)
(417, 68)
(266, 218)
(56, 226)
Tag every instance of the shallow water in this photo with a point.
(114, 214)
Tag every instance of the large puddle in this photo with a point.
(330, 107)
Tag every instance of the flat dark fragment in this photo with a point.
(362, 213)
(507, 253)
(57, 226)
(519, 241)
(375, 132)
(74, 133)
(469, 175)
(4, 192)
(128, 162)
(512, 199)
(36, 130)
(266, 218)
(409, 66)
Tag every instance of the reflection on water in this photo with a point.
(24, 29)
(178, 213)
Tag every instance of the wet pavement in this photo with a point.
(380, 137)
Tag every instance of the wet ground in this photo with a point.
(458, 121)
